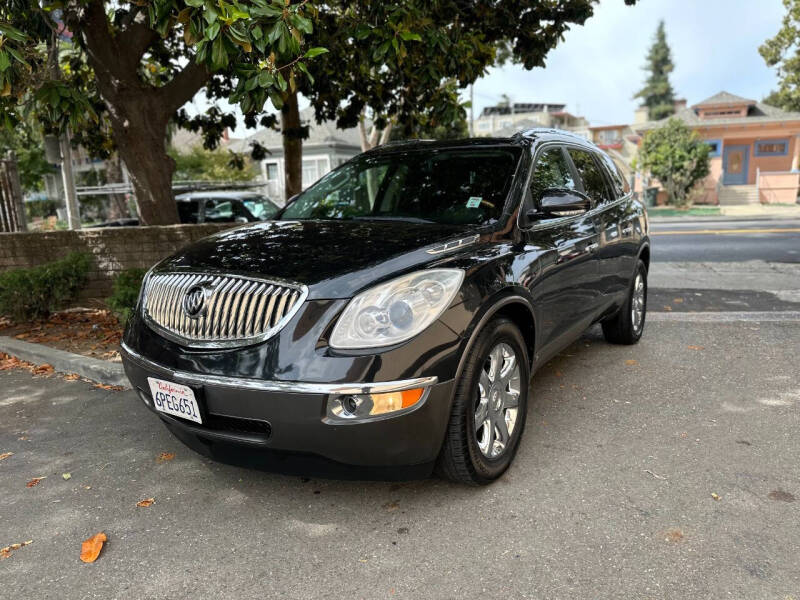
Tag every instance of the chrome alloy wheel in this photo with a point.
(637, 303)
(498, 400)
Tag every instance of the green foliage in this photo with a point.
(783, 52)
(199, 164)
(657, 94)
(125, 293)
(29, 152)
(677, 157)
(27, 294)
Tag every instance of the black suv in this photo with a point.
(393, 313)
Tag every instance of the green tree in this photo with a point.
(132, 65)
(404, 62)
(783, 52)
(28, 149)
(657, 94)
(677, 157)
(199, 164)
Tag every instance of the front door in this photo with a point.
(734, 164)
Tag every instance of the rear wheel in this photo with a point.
(627, 325)
(489, 407)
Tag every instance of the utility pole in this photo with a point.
(70, 197)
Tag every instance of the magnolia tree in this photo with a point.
(677, 157)
(126, 68)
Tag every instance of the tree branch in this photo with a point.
(135, 39)
(184, 85)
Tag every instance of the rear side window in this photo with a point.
(618, 180)
(594, 184)
(552, 171)
(187, 211)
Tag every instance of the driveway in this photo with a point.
(612, 494)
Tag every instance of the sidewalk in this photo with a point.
(748, 275)
(744, 211)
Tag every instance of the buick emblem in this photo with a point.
(194, 301)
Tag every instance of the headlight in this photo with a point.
(397, 310)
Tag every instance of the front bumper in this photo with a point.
(268, 416)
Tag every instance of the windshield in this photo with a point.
(450, 186)
(261, 207)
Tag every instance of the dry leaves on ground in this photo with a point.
(6, 552)
(164, 457)
(145, 503)
(5, 455)
(105, 386)
(631, 362)
(44, 369)
(72, 376)
(90, 549)
(678, 300)
(696, 347)
(35, 481)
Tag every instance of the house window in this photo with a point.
(313, 169)
(771, 148)
(714, 147)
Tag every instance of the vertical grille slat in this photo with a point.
(236, 310)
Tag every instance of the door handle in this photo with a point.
(592, 247)
(627, 230)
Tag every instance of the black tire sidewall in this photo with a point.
(500, 330)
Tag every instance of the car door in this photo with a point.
(606, 219)
(565, 290)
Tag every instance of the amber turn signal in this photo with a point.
(391, 401)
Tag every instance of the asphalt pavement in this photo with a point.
(664, 470)
(709, 239)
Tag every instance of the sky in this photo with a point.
(597, 69)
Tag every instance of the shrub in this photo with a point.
(125, 293)
(36, 292)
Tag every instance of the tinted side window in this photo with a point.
(594, 184)
(187, 211)
(620, 183)
(552, 171)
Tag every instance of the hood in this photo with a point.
(335, 259)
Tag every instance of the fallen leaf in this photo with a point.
(678, 300)
(105, 386)
(673, 535)
(146, 502)
(35, 481)
(630, 362)
(44, 369)
(90, 549)
(72, 376)
(66, 476)
(696, 347)
(5, 455)
(781, 496)
(715, 496)
(164, 457)
(390, 506)
(6, 552)
(668, 308)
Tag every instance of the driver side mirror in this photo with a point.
(556, 202)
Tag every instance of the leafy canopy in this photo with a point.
(783, 52)
(657, 94)
(676, 156)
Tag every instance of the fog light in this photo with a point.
(359, 406)
(391, 401)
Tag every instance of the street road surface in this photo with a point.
(667, 470)
(717, 240)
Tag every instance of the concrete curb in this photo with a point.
(101, 371)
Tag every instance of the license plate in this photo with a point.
(174, 399)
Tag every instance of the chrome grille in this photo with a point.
(235, 310)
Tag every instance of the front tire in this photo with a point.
(627, 326)
(490, 405)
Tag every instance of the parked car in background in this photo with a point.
(217, 206)
(393, 313)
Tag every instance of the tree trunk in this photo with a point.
(292, 146)
(118, 206)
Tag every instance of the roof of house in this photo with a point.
(318, 133)
(757, 113)
(723, 98)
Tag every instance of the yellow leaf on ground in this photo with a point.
(715, 496)
(146, 502)
(165, 456)
(678, 300)
(66, 476)
(630, 362)
(90, 549)
(5, 455)
(696, 347)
